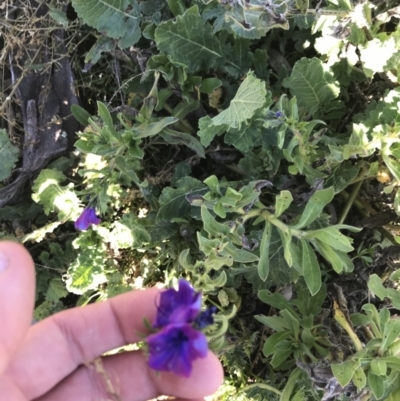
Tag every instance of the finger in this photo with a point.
(126, 377)
(56, 346)
(17, 297)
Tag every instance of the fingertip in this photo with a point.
(17, 296)
(206, 377)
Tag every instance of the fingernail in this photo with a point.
(4, 262)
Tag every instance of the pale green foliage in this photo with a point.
(55, 198)
(313, 84)
(189, 42)
(112, 17)
(8, 155)
(250, 98)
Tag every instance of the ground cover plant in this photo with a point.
(250, 147)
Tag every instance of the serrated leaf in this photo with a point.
(245, 138)
(311, 269)
(376, 53)
(48, 192)
(315, 206)
(250, 97)
(111, 17)
(8, 155)
(189, 41)
(208, 131)
(312, 83)
(173, 202)
(56, 290)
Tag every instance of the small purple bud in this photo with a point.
(278, 114)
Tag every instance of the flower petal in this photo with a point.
(175, 347)
(180, 306)
(87, 218)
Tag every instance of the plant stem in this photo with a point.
(350, 202)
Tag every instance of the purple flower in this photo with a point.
(175, 347)
(180, 306)
(278, 114)
(86, 219)
(205, 318)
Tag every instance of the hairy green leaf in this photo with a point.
(250, 97)
(112, 17)
(263, 263)
(311, 269)
(173, 202)
(312, 83)
(315, 206)
(189, 42)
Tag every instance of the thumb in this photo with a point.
(17, 297)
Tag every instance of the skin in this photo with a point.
(50, 361)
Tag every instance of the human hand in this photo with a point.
(50, 361)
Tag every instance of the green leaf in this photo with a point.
(173, 202)
(276, 300)
(330, 255)
(111, 17)
(312, 83)
(315, 206)
(146, 130)
(250, 97)
(274, 322)
(292, 322)
(332, 237)
(80, 114)
(263, 263)
(128, 232)
(280, 356)
(189, 41)
(290, 385)
(311, 269)
(282, 202)
(214, 229)
(87, 271)
(344, 371)
(56, 290)
(239, 255)
(377, 385)
(48, 192)
(103, 44)
(208, 131)
(378, 367)
(176, 137)
(390, 334)
(273, 340)
(8, 155)
(359, 378)
(376, 286)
